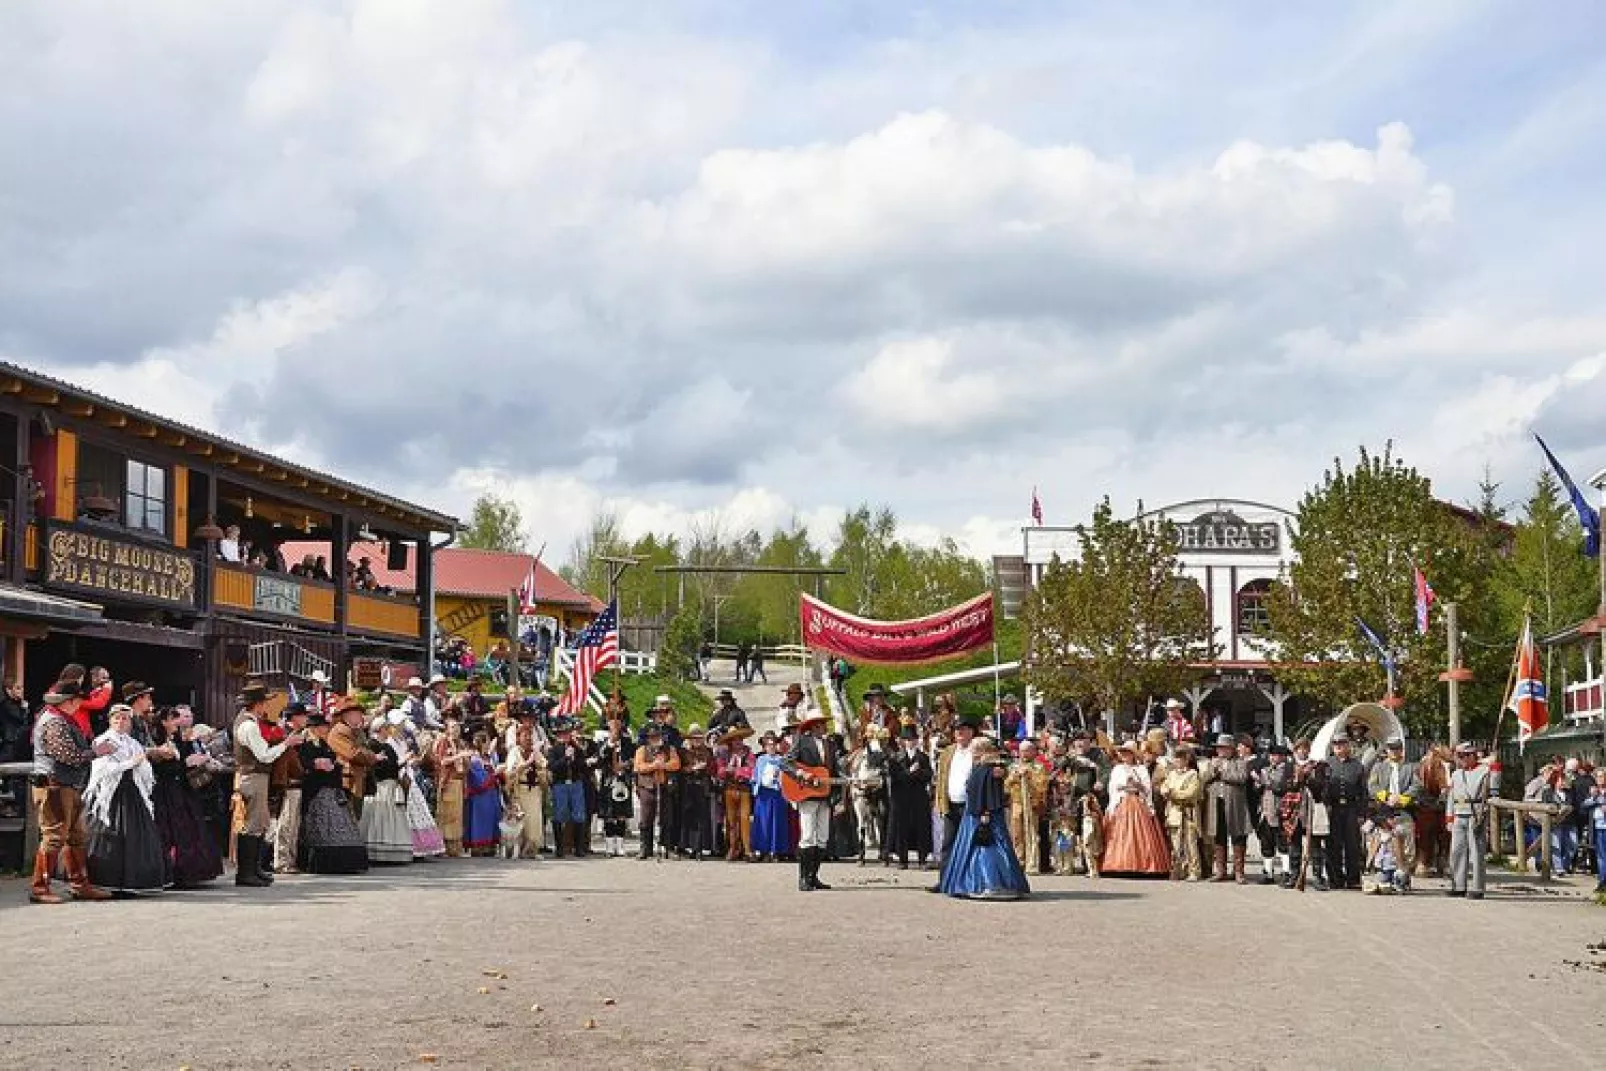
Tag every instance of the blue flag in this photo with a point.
(1588, 516)
(1377, 642)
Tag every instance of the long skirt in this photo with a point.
(482, 821)
(427, 839)
(1134, 844)
(696, 826)
(449, 814)
(187, 844)
(532, 831)
(384, 825)
(125, 854)
(991, 871)
(331, 842)
(772, 823)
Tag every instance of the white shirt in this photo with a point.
(959, 774)
(228, 550)
(250, 734)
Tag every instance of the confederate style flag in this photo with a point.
(1425, 598)
(1528, 699)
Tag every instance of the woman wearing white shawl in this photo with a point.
(125, 846)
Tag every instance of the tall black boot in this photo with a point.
(247, 850)
(265, 859)
(646, 844)
(814, 870)
(805, 880)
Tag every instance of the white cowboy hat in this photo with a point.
(414, 682)
(437, 679)
(318, 676)
(1174, 704)
(663, 701)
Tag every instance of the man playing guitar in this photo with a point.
(814, 815)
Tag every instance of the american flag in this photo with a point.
(598, 647)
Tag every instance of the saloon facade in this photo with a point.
(112, 524)
(1233, 551)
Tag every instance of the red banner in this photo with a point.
(942, 635)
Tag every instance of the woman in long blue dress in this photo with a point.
(772, 826)
(981, 864)
(482, 799)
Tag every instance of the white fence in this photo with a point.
(630, 663)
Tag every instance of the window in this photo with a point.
(145, 498)
(1254, 612)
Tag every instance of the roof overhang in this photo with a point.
(35, 606)
(1598, 480)
(47, 392)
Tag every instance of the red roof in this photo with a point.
(462, 571)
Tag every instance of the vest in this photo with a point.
(245, 762)
(46, 766)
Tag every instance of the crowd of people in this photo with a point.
(135, 798)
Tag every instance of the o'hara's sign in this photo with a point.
(1221, 532)
(118, 569)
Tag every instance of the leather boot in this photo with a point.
(560, 848)
(248, 849)
(805, 881)
(44, 865)
(814, 872)
(1238, 853)
(78, 876)
(582, 838)
(265, 860)
(646, 844)
(1219, 870)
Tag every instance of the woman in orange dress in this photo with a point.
(449, 759)
(1134, 844)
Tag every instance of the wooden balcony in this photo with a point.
(383, 614)
(258, 593)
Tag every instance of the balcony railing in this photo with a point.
(388, 615)
(1581, 701)
(258, 592)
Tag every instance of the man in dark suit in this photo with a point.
(814, 816)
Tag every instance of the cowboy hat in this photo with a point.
(663, 701)
(968, 721)
(348, 703)
(255, 692)
(875, 690)
(134, 689)
(809, 717)
(724, 693)
(1226, 740)
(414, 682)
(693, 730)
(1174, 704)
(318, 676)
(317, 719)
(438, 678)
(735, 733)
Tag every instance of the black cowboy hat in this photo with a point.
(295, 709)
(134, 689)
(316, 719)
(968, 721)
(875, 690)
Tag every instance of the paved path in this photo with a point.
(760, 700)
(726, 965)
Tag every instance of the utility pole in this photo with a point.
(1452, 677)
(616, 569)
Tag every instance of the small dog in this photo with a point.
(1065, 846)
(1092, 842)
(512, 829)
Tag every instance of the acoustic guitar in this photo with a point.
(794, 790)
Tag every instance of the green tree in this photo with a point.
(677, 653)
(1546, 568)
(495, 524)
(1118, 623)
(864, 542)
(1359, 533)
(602, 538)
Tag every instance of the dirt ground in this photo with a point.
(725, 965)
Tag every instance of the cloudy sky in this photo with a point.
(775, 259)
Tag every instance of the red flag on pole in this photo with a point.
(1528, 699)
(1425, 598)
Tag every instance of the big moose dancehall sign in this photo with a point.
(119, 569)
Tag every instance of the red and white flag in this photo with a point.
(527, 591)
(1037, 508)
(1425, 598)
(1528, 699)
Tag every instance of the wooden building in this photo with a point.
(471, 590)
(125, 512)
